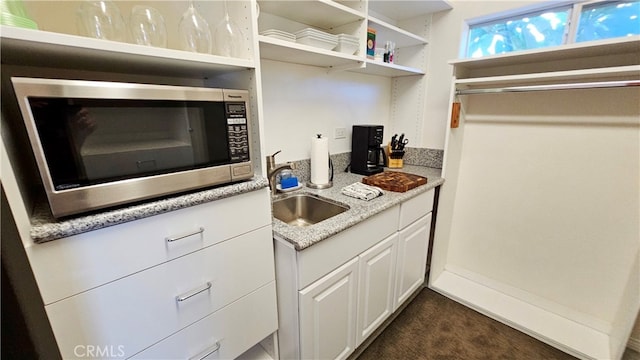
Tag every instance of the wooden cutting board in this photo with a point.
(395, 181)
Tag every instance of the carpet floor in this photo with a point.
(435, 327)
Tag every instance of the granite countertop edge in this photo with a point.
(359, 210)
(45, 228)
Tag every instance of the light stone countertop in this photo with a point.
(304, 237)
(45, 228)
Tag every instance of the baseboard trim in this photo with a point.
(569, 336)
(537, 301)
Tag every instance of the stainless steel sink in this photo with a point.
(306, 209)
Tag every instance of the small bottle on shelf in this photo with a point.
(389, 47)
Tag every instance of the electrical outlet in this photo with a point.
(340, 133)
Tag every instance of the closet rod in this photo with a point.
(572, 86)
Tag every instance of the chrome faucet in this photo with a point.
(273, 170)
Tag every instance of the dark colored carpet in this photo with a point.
(435, 327)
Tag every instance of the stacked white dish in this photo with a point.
(317, 38)
(347, 44)
(279, 34)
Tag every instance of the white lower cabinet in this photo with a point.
(413, 245)
(328, 314)
(343, 308)
(377, 269)
(165, 295)
(333, 295)
(143, 308)
(69, 266)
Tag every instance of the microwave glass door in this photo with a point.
(92, 141)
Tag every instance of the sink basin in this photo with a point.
(306, 209)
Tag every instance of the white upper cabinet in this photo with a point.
(403, 40)
(328, 16)
(406, 23)
(59, 43)
(58, 40)
(407, 9)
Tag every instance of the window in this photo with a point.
(609, 20)
(553, 27)
(519, 33)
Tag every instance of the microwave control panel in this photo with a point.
(237, 131)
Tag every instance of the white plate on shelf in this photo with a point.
(275, 36)
(315, 33)
(279, 34)
(317, 42)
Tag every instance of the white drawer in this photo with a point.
(142, 309)
(232, 330)
(71, 265)
(415, 208)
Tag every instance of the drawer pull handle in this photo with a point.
(194, 292)
(207, 352)
(176, 238)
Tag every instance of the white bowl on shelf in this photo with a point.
(316, 38)
(347, 47)
(347, 37)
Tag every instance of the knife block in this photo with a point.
(395, 163)
(394, 158)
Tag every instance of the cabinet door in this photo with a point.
(328, 314)
(412, 258)
(376, 271)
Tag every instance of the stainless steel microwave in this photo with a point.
(99, 144)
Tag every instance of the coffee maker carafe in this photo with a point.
(367, 154)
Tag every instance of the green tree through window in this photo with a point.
(550, 27)
(609, 20)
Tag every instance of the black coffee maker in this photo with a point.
(367, 154)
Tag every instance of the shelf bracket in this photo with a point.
(346, 67)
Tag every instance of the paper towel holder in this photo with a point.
(330, 182)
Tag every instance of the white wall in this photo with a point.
(537, 181)
(444, 45)
(301, 101)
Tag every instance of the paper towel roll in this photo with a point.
(320, 160)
